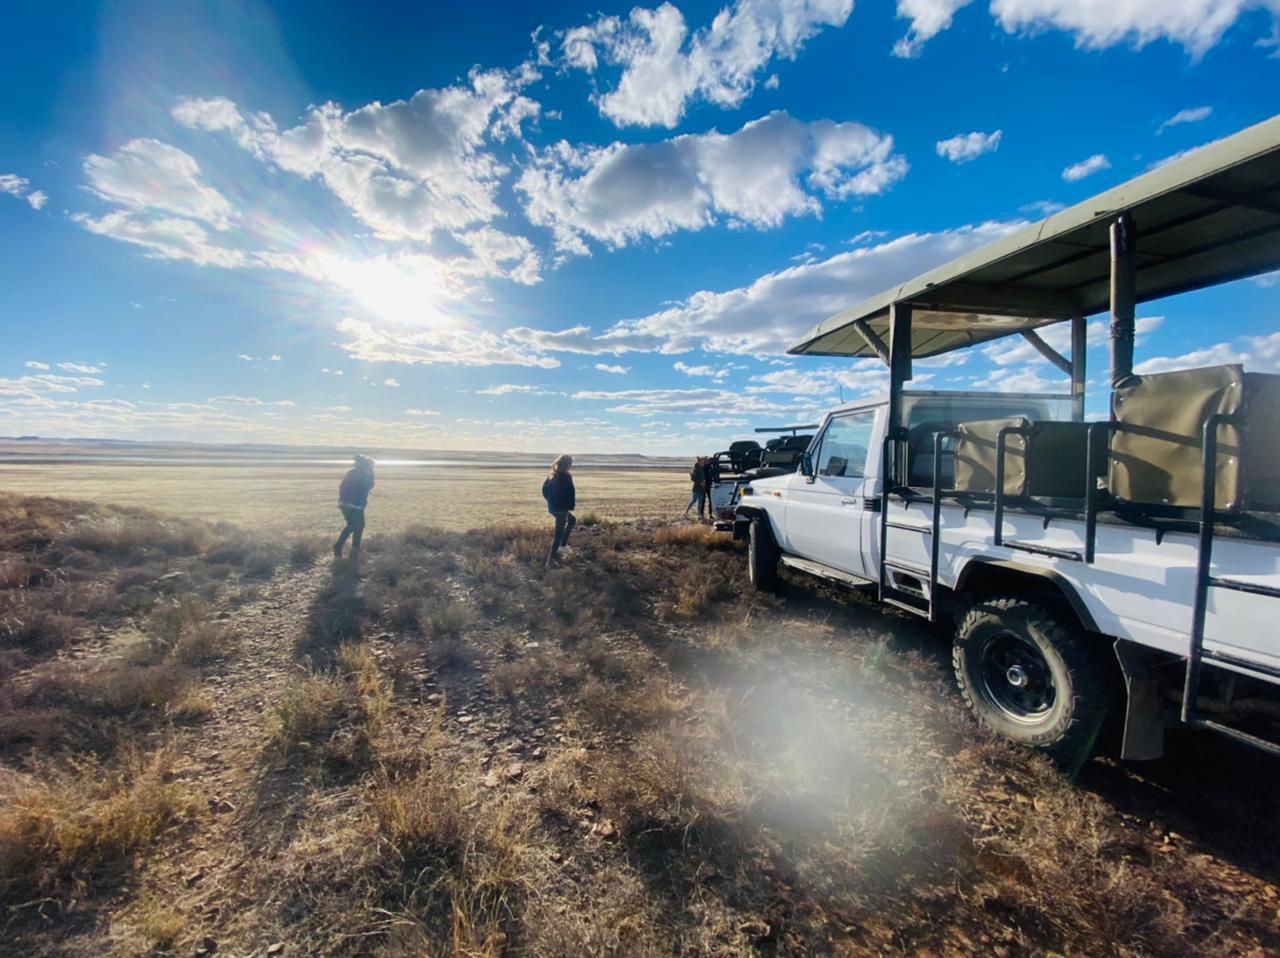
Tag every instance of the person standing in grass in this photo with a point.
(699, 476)
(558, 490)
(353, 497)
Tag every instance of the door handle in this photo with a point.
(849, 502)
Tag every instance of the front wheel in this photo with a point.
(762, 555)
(1032, 677)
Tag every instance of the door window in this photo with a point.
(844, 447)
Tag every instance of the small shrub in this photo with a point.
(303, 552)
(446, 620)
(308, 711)
(122, 687)
(40, 632)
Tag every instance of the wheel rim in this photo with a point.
(1017, 679)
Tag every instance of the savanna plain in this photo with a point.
(216, 739)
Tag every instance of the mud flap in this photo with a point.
(1144, 722)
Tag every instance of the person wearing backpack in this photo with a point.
(353, 497)
(698, 474)
(558, 490)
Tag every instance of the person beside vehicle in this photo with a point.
(353, 498)
(558, 490)
(698, 475)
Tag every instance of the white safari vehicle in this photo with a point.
(1129, 566)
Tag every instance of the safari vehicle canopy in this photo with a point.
(1205, 218)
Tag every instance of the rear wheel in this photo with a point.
(1033, 677)
(762, 555)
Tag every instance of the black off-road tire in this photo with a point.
(762, 555)
(1070, 662)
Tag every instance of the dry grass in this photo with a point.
(69, 825)
(464, 754)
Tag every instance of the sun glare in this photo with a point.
(407, 291)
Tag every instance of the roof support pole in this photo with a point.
(1123, 297)
(1047, 351)
(899, 366)
(875, 342)
(1079, 349)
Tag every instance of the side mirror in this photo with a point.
(806, 465)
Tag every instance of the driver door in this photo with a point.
(825, 516)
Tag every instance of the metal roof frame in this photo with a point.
(1209, 217)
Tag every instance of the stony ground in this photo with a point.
(446, 750)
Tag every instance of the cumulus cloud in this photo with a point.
(35, 364)
(1042, 207)
(1078, 171)
(928, 19)
(1196, 25)
(966, 147)
(457, 347)
(1194, 115)
(711, 372)
(420, 412)
(770, 314)
(84, 368)
(391, 381)
(770, 169)
(615, 370)
(665, 68)
(147, 175)
(1256, 353)
(407, 169)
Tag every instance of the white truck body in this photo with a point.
(1139, 587)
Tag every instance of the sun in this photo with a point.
(405, 290)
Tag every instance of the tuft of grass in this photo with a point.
(307, 713)
(304, 551)
(71, 824)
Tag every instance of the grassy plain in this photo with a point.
(302, 499)
(214, 742)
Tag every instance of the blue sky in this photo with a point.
(546, 226)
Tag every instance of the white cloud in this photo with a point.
(13, 184)
(768, 315)
(1194, 115)
(494, 249)
(420, 412)
(407, 169)
(1216, 355)
(662, 73)
(709, 371)
(509, 389)
(30, 387)
(966, 147)
(20, 186)
(1042, 208)
(164, 238)
(653, 402)
(250, 401)
(928, 19)
(35, 364)
(391, 382)
(78, 368)
(615, 370)
(772, 82)
(1078, 171)
(448, 346)
(1196, 25)
(146, 174)
(770, 169)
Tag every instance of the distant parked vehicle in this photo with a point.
(746, 459)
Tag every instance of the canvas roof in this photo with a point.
(1208, 217)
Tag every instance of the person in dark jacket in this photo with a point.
(701, 487)
(558, 490)
(353, 497)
